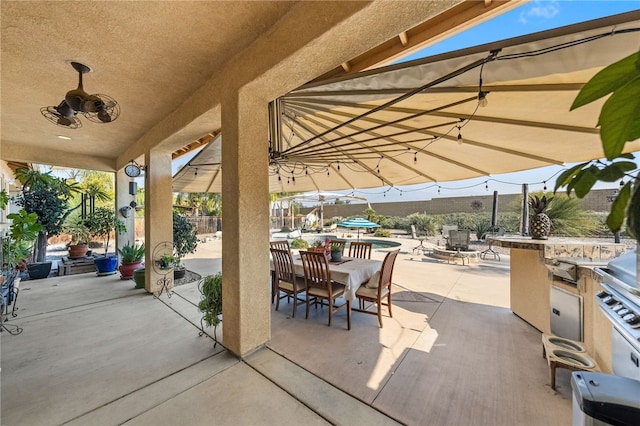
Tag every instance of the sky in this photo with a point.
(529, 18)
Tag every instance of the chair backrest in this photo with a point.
(459, 239)
(279, 244)
(316, 269)
(283, 264)
(341, 243)
(447, 228)
(361, 250)
(386, 272)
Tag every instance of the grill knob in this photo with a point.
(630, 318)
(623, 312)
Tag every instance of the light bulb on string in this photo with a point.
(415, 157)
(196, 173)
(486, 185)
(438, 189)
(459, 136)
(338, 165)
(482, 99)
(621, 183)
(545, 185)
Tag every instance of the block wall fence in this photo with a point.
(594, 201)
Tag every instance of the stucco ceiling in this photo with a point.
(151, 57)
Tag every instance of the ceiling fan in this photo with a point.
(98, 108)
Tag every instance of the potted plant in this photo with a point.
(336, 252)
(185, 241)
(101, 224)
(210, 303)
(18, 244)
(131, 256)
(46, 196)
(79, 232)
(317, 245)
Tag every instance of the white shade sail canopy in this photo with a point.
(423, 122)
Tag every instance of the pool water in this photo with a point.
(377, 244)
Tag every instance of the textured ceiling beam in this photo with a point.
(455, 19)
(33, 154)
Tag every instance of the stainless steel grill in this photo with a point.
(619, 299)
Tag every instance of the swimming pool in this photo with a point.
(377, 244)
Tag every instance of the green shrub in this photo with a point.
(382, 233)
(299, 243)
(422, 222)
(481, 228)
(569, 218)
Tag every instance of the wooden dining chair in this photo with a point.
(285, 278)
(279, 244)
(317, 278)
(341, 243)
(378, 288)
(361, 250)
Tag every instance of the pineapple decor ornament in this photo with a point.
(540, 224)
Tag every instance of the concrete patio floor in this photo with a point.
(96, 351)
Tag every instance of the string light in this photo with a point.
(486, 185)
(482, 99)
(460, 135)
(196, 173)
(545, 185)
(415, 157)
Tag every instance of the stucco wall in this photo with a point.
(594, 201)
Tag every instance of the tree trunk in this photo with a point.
(40, 249)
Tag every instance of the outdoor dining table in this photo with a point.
(352, 272)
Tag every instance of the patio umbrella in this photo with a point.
(358, 222)
(490, 109)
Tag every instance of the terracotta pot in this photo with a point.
(78, 250)
(127, 269)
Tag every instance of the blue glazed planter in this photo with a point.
(106, 265)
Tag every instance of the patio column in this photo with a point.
(158, 214)
(123, 198)
(245, 207)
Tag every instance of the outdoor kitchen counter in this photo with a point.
(531, 282)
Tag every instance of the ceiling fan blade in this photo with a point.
(64, 109)
(64, 121)
(104, 116)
